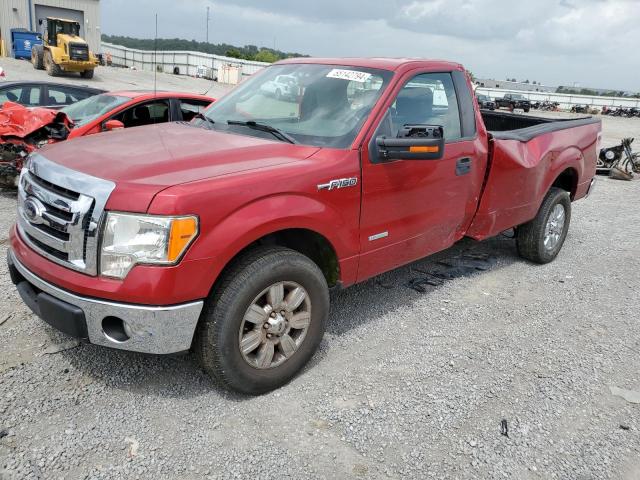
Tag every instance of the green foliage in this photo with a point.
(265, 55)
(248, 52)
(591, 92)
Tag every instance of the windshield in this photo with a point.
(517, 97)
(91, 108)
(320, 105)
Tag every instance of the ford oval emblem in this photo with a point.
(33, 210)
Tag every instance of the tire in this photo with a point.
(531, 236)
(527, 110)
(37, 54)
(223, 325)
(88, 74)
(52, 68)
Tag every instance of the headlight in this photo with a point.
(132, 239)
(609, 155)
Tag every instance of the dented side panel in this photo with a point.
(521, 174)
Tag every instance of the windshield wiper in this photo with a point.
(201, 116)
(276, 132)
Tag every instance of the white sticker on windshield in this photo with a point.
(351, 75)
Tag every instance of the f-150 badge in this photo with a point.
(338, 183)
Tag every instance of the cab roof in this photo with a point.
(381, 63)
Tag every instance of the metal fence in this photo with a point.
(180, 62)
(565, 100)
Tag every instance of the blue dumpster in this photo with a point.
(22, 41)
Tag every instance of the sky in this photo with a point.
(593, 43)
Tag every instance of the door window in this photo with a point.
(427, 99)
(145, 114)
(64, 96)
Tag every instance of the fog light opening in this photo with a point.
(115, 329)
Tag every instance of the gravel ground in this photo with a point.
(111, 78)
(405, 385)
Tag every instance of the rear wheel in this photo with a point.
(87, 74)
(541, 239)
(53, 69)
(265, 320)
(37, 54)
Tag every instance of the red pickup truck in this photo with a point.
(226, 234)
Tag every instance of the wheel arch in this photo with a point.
(308, 242)
(567, 180)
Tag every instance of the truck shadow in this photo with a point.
(403, 286)
(179, 376)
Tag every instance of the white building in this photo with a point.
(27, 13)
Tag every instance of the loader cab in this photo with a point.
(55, 26)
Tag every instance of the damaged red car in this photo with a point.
(23, 130)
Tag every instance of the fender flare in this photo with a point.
(261, 217)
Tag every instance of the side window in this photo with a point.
(427, 99)
(145, 114)
(34, 97)
(190, 108)
(28, 95)
(61, 96)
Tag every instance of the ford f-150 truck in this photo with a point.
(226, 234)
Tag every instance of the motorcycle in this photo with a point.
(619, 162)
(549, 106)
(580, 109)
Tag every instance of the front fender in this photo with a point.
(222, 239)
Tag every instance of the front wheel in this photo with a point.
(88, 74)
(264, 321)
(541, 239)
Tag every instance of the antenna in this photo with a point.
(208, 24)
(155, 59)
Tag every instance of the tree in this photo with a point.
(233, 53)
(265, 55)
(471, 76)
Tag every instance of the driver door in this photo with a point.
(412, 208)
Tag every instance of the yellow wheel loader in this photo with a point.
(63, 49)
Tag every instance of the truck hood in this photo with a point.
(143, 161)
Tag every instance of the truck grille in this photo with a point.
(55, 218)
(79, 51)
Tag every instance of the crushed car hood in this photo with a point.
(143, 161)
(19, 121)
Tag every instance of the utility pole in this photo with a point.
(208, 8)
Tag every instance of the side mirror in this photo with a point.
(414, 142)
(112, 125)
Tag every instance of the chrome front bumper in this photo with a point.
(151, 329)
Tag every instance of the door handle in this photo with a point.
(463, 166)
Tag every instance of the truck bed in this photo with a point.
(512, 126)
(526, 156)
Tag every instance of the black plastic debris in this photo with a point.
(448, 269)
(624, 427)
(4, 433)
(504, 428)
